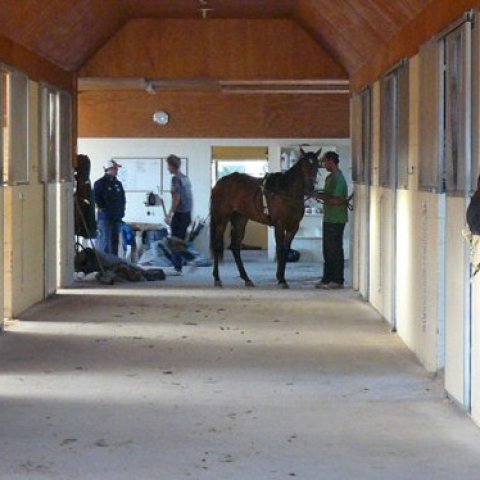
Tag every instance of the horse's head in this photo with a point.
(310, 163)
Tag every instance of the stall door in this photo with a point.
(361, 174)
(3, 99)
(393, 176)
(457, 173)
(49, 141)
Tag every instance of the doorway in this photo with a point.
(251, 161)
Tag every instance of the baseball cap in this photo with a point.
(111, 164)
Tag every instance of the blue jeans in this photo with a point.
(108, 233)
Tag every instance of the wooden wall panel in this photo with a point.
(129, 114)
(217, 48)
(406, 43)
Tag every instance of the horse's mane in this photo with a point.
(280, 181)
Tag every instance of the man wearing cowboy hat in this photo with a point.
(110, 202)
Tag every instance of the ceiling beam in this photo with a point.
(274, 86)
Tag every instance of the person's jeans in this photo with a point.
(108, 233)
(333, 253)
(180, 223)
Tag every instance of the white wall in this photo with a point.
(198, 151)
(419, 277)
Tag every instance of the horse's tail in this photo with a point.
(216, 240)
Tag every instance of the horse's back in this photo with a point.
(236, 178)
(237, 192)
(234, 185)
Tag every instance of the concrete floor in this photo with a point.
(178, 380)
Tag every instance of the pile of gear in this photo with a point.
(111, 268)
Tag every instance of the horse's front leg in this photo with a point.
(288, 237)
(281, 255)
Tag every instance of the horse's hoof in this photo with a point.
(218, 283)
(249, 283)
(283, 285)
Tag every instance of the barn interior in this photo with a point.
(176, 379)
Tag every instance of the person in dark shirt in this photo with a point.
(110, 202)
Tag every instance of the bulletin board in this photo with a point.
(142, 174)
(147, 174)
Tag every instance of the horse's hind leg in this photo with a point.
(216, 245)
(239, 223)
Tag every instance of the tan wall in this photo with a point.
(129, 114)
(24, 247)
(214, 48)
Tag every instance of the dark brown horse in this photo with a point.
(276, 200)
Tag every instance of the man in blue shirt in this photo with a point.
(110, 202)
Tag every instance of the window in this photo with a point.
(430, 174)
(15, 86)
(394, 129)
(361, 136)
(4, 121)
(56, 135)
(445, 112)
(64, 168)
(456, 101)
(48, 134)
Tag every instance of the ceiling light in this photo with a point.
(161, 117)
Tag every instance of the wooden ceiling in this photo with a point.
(69, 32)
(353, 30)
(216, 8)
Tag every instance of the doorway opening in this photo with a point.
(251, 161)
